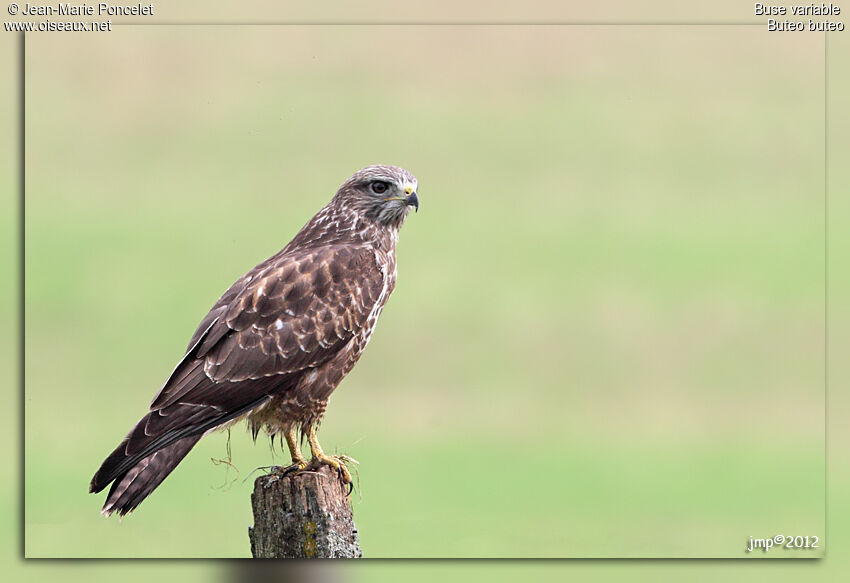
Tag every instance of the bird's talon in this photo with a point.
(293, 468)
(337, 462)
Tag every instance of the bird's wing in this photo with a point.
(295, 312)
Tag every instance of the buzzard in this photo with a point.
(278, 342)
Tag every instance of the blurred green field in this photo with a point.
(607, 338)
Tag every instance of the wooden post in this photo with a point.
(303, 515)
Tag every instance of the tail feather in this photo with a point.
(143, 460)
(132, 487)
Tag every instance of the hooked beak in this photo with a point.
(412, 200)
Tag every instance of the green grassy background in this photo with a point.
(607, 338)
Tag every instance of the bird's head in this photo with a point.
(383, 194)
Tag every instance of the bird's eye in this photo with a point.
(379, 187)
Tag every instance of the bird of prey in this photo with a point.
(278, 342)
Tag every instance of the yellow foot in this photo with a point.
(338, 462)
(295, 467)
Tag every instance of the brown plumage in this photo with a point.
(278, 342)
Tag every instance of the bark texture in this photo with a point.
(301, 516)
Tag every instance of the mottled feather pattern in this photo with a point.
(295, 315)
(278, 342)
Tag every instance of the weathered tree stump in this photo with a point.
(303, 515)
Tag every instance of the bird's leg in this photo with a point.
(320, 457)
(298, 461)
(294, 448)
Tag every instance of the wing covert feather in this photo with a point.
(293, 312)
